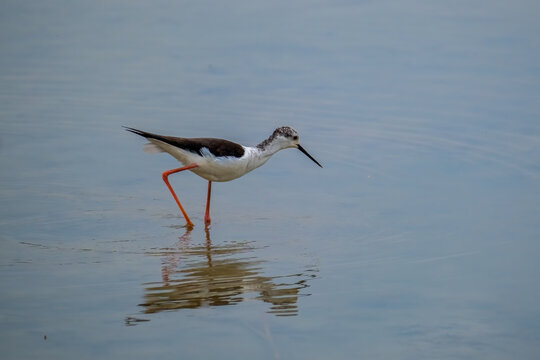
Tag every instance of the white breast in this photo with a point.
(215, 168)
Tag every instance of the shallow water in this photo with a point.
(418, 239)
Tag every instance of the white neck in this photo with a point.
(259, 155)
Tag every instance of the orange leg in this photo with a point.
(207, 214)
(165, 176)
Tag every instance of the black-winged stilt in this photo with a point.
(218, 159)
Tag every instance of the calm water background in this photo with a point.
(420, 238)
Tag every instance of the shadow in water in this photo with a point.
(228, 274)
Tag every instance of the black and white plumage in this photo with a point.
(219, 159)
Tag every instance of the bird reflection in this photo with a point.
(228, 274)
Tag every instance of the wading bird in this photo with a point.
(218, 159)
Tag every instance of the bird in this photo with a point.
(217, 160)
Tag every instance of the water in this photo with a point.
(418, 238)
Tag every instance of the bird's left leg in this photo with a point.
(165, 176)
(207, 214)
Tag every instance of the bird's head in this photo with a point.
(286, 137)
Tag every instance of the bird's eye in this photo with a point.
(295, 137)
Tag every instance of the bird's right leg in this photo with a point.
(165, 175)
(207, 219)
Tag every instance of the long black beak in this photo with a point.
(309, 156)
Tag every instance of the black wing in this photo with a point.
(218, 147)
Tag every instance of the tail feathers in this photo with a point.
(152, 148)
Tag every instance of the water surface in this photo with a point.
(418, 238)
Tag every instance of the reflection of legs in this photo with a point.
(208, 247)
(207, 214)
(172, 258)
(165, 176)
